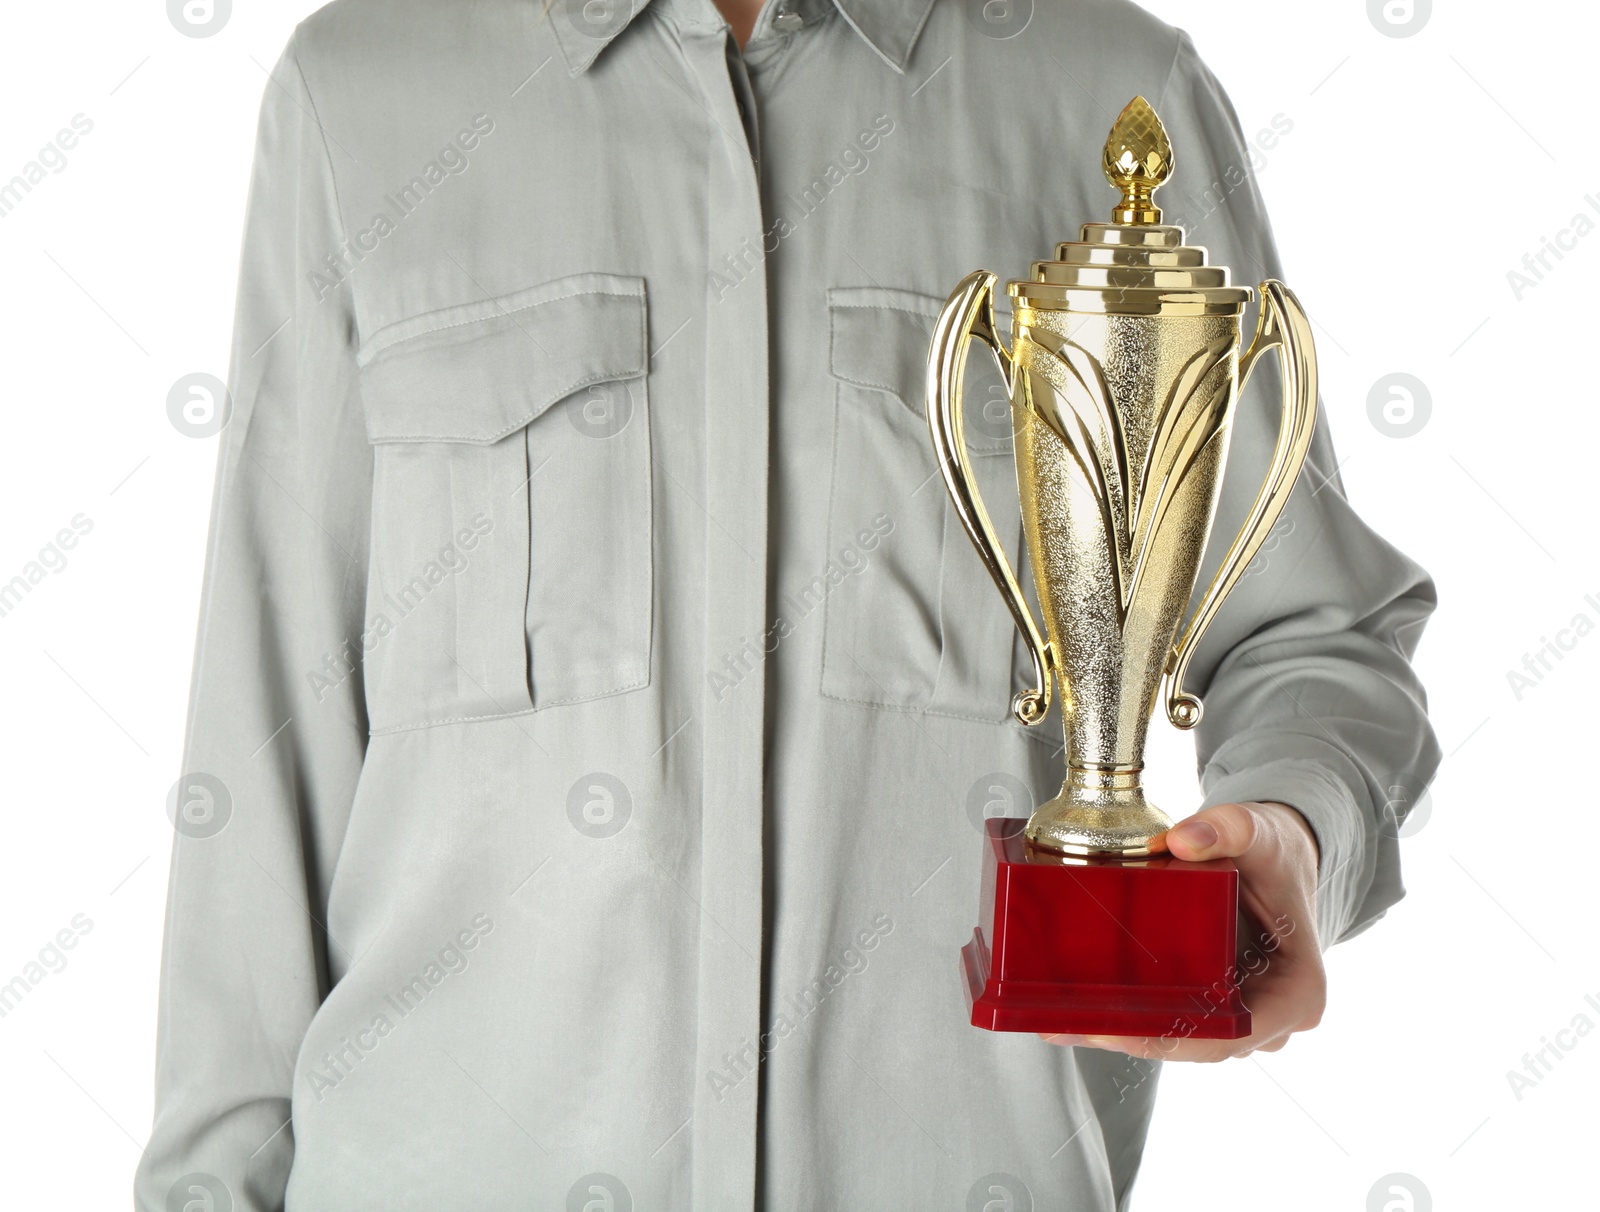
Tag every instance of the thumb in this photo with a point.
(1222, 831)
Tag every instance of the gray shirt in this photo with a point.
(595, 694)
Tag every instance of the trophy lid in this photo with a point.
(1134, 265)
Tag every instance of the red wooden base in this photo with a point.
(1088, 947)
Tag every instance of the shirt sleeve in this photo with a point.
(1310, 697)
(276, 726)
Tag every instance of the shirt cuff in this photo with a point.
(1320, 782)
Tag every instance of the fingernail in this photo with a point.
(1196, 835)
(1065, 1041)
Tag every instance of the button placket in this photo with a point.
(723, 1124)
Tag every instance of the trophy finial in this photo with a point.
(1138, 161)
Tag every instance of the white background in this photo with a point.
(1419, 171)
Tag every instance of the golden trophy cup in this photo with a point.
(1123, 373)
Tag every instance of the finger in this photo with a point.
(1284, 998)
(1209, 1051)
(1222, 831)
(1129, 1045)
(1189, 1050)
(1169, 1048)
(1062, 1041)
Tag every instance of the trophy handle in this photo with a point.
(969, 313)
(1282, 324)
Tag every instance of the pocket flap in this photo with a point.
(479, 371)
(878, 338)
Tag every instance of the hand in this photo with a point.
(1282, 981)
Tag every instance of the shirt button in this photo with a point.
(786, 20)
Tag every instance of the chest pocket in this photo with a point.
(920, 627)
(511, 535)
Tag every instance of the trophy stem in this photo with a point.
(1101, 812)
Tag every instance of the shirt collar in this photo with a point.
(583, 30)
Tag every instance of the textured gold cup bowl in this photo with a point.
(1120, 437)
